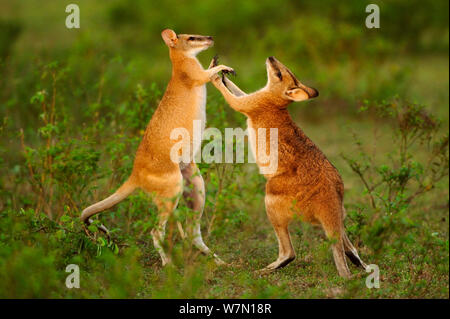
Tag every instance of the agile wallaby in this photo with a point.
(154, 171)
(305, 183)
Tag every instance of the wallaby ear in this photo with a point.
(296, 94)
(169, 37)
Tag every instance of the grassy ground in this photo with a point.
(74, 144)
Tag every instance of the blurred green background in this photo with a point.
(324, 42)
(74, 102)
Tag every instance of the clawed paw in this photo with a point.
(214, 62)
(229, 71)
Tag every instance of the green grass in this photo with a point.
(109, 77)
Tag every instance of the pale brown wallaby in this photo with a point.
(305, 183)
(154, 171)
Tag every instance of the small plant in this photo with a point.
(59, 168)
(392, 185)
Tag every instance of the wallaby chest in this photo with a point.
(200, 102)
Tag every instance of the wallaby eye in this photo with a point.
(191, 39)
(279, 75)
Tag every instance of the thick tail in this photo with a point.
(126, 189)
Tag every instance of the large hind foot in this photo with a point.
(277, 264)
(219, 261)
(354, 258)
(198, 242)
(352, 253)
(280, 224)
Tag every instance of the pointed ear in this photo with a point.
(296, 94)
(169, 37)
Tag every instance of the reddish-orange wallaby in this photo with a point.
(305, 183)
(154, 171)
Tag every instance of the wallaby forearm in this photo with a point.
(233, 87)
(206, 75)
(235, 102)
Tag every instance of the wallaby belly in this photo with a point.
(200, 116)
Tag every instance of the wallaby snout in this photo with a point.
(204, 38)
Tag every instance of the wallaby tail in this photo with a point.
(126, 189)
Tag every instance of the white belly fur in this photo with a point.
(251, 137)
(200, 113)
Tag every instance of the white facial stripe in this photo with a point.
(194, 51)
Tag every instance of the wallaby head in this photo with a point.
(187, 44)
(283, 83)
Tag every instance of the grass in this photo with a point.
(108, 79)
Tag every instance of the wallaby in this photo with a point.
(154, 171)
(305, 183)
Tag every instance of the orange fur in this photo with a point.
(305, 184)
(154, 171)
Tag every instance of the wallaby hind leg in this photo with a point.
(165, 193)
(352, 253)
(331, 221)
(165, 208)
(280, 223)
(195, 198)
(339, 258)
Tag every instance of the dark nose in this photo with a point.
(210, 38)
(312, 92)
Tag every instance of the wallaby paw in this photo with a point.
(228, 70)
(214, 62)
(232, 71)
